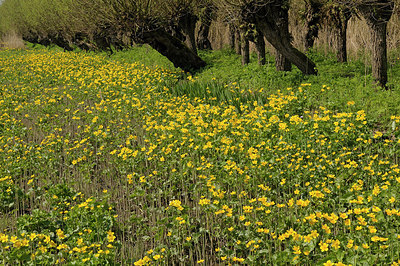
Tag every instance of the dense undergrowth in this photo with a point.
(107, 161)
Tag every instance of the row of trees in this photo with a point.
(169, 26)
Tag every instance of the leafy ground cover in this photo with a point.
(106, 161)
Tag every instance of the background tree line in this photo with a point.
(178, 28)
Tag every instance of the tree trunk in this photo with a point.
(80, 40)
(377, 16)
(312, 17)
(379, 54)
(175, 31)
(175, 50)
(341, 38)
(61, 41)
(187, 23)
(245, 46)
(338, 18)
(203, 43)
(282, 64)
(260, 46)
(341, 45)
(238, 45)
(231, 37)
(273, 21)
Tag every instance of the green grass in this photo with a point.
(350, 81)
(145, 55)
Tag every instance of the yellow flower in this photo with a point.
(372, 229)
(60, 234)
(274, 119)
(378, 134)
(203, 202)
(110, 236)
(3, 238)
(350, 243)
(375, 238)
(283, 126)
(62, 246)
(323, 246)
(328, 263)
(296, 250)
(314, 233)
(176, 204)
(326, 228)
(336, 244)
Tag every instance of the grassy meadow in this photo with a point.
(125, 160)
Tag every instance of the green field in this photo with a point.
(125, 160)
